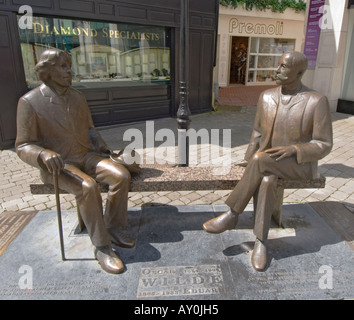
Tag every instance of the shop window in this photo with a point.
(103, 54)
(264, 56)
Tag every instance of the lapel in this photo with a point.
(269, 107)
(273, 106)
(49, 93)
(296, 114)
(297, 99)
(295, 111)
(55, 107)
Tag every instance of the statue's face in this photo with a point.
(286, 72)
(61, 73)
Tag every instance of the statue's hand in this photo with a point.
(52, 160)
(282, 152)
(107, 150)
(242, 163)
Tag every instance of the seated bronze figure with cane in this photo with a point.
(55, 133)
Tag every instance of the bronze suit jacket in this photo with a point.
(309, 125)
(61, 124)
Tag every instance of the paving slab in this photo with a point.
(174, 259)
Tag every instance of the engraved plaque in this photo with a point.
(180, 280)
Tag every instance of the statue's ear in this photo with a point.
(300, 73)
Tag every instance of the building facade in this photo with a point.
(125, 55)
(250, 44)
(334, 72)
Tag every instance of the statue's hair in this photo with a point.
(298, 60)
(48, 59)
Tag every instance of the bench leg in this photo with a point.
(80, 221)
(278, 206)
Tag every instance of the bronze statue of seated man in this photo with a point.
(55, 133)
(292, 131)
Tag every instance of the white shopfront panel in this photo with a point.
(267, 39)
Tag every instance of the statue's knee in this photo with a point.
(259, 156)
(122, 175)
(269, 179)
(89, 185)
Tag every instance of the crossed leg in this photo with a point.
(260, 178)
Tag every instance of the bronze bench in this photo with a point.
(172, 178)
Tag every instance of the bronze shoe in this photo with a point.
(225, 221)
(259, 255)
(120, 238)
(108, 260)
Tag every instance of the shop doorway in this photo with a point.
(238, 65)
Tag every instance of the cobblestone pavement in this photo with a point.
(338, 166)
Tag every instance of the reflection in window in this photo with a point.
(264, 56)
(103, 54)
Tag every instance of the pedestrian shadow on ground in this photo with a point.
(311, 234)
(336, 170)
(160, 229)
(159, 226)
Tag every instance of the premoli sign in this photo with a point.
(256, 28)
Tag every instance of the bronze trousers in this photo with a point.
(261, 177)
(80, 179)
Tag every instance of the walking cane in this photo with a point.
(57, 199)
